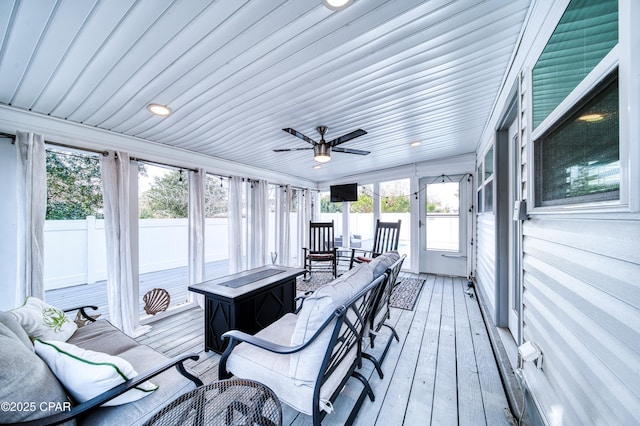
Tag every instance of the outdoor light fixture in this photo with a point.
(322, 152)
(158, 109)
(337, 4)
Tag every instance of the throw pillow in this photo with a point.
(25, 378)
(86, 374)
(43, 321)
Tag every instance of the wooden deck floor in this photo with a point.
(442, 372)
(173, 280)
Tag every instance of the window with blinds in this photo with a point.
(586, 33)
(578, 160)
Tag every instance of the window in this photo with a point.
(587, 31)
(395, 204)
(74, 240)
(578, 160)
(163, 229)
(485, 183)
(216, 234)
(361, 223)
(443, 216)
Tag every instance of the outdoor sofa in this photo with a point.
(30, 391)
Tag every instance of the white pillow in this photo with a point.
(43, 321)
(86, 374)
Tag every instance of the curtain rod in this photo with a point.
(106, 153)
(62, 145)
(158, 163)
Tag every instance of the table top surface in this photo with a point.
(219, 286)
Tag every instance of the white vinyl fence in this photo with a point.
(75, 250)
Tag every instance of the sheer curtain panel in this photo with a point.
(304, 217)
(284, 222)
(257, 235)
(197, 180)
(121, 295)
(32, 205)
(235, 225)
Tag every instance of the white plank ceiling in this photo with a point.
(236, 72)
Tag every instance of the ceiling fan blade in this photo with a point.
(300, 135)
(350, 151)
(291, 149)
(347, 137)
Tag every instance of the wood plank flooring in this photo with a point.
(442, 372)
(174, 280)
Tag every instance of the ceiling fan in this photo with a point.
(322, 150)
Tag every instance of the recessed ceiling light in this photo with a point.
(337, 4)
(317, 166)
(416, 143)
(158, 109)
(590, 118)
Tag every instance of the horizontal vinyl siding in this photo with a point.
(486, 258)
(582, 308)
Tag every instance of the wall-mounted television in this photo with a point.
(346, 192)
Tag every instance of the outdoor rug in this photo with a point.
(406, 292)
(403, 296)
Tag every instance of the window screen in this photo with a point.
(578, 161)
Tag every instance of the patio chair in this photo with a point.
(386, 238)
(321, 251)
(381, 311)
(307, 358)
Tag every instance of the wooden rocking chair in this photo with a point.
(321, 253)
(386, 238)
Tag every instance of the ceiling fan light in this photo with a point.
(337, 4)
(322, 153)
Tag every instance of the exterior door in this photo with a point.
(515, 234)
(444, 227)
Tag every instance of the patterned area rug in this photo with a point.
(404, 295)
(317, 280)
(406, 292)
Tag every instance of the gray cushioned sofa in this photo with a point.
(30, 392)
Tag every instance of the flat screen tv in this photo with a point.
(347, 192)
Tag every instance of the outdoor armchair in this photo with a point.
(308, 357)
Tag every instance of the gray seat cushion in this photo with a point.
(24, 377)
(102, 336)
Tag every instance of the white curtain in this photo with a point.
(197, 179)
(121, 294)
(236, 263)
(32, 206)
(258, 222)
(304, 217)
(284, 223)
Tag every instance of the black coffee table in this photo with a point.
(247, 301)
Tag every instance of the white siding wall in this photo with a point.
(581, 272)
(486, 258)
(582, 308)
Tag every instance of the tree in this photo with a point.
(326, 206)
(364, 203)
(216, 198)
(395, 204)
(74, 187)
(168, 197)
